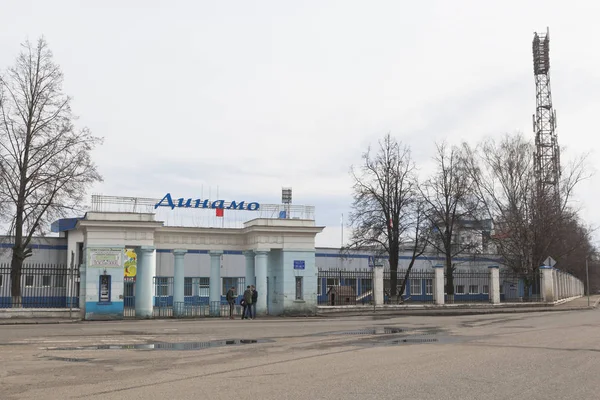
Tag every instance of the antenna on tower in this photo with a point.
(547, 153)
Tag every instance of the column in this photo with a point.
(144, 282)
(82, 289)
(438, 285)
(548, 294)
(378, 298)
(178, 282)
(250, 269)
(494, 289)
(261, 260)
(214, 296)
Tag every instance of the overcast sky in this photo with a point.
(251, 96)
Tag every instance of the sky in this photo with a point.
(251, 96)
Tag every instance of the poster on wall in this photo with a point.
(105, 258)
(130, 263)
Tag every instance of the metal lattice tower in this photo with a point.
(547, 156)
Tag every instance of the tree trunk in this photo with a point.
(449, 279)
(16, 268)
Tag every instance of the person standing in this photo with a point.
(247, 302)
(231, 300)
(254, 300)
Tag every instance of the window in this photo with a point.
(1, 280)
(502, 289)
(204, 287)
(299, 294)
(428, 286)
(162, 286)
(29, 280)
(187, 286)
(228, 283)
(366, 285)
(473, 289)
(60, 281)
(46, 280)
(332, 282)
(415, 287)
(486, 289)
(460, 289)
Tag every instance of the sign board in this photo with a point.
(105, 258)
(299, 264)
(182, 202)
(550, 262)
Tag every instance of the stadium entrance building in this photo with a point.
(138, 254)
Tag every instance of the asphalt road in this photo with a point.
(552, 355)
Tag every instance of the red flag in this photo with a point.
(220, 212)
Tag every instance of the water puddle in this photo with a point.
(168, 346)
(369, 331)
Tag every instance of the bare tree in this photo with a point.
(450, 204)
(529, 225)
(45, 164)
(384, 194)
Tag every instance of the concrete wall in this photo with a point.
(51, 250)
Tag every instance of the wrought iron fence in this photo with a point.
(517, 288)
(337, 287)
(41, 286)
(418, 287)
(469, 287)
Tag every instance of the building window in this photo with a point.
(187, 286)
(502, 288)
(332, 282)
(299, 293)
(486, 289)
(46, 280)
(366, 285)
(460, 289)
(473, 289)
(228, 283)
(162, 286)
(428, 286)
(415, 287)
(28, 280)
(204, 287)
(1, 280)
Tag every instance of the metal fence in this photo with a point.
(517, 288)
(418, 287)
(336, 287)
(42, 286)
(469, 287)
(196, 291)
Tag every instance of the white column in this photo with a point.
(261, 261)
(214, 295)
(178, 282)
(494, 289)
(438, 285)
(250, 269)
(378, 285)
(144, 282)
(548, 287)
(82, 289)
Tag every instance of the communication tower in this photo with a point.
(547, 156)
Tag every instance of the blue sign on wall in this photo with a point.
(371, 261)
(167, 201)
(299, 264)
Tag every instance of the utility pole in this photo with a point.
(587, 279)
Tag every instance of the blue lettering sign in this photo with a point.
(167, 201)
(299, 264)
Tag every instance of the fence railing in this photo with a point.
(41, 286)
(517, 288)
(469, 287)
(418, 287)
(342, 287)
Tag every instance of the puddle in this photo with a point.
(369, 331)
(68, 359)
(168, 346)
(414, 340)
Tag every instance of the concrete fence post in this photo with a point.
(548, 287)
(438, 285)
(494, 288)
(378, 284)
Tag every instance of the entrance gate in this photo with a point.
(129, 297)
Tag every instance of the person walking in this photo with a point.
(231, 300)
(254, 300)
(247, 302)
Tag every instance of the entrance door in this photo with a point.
(129, 297)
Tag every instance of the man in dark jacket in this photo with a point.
(247, 303)
(254, 300)
(231, 300)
